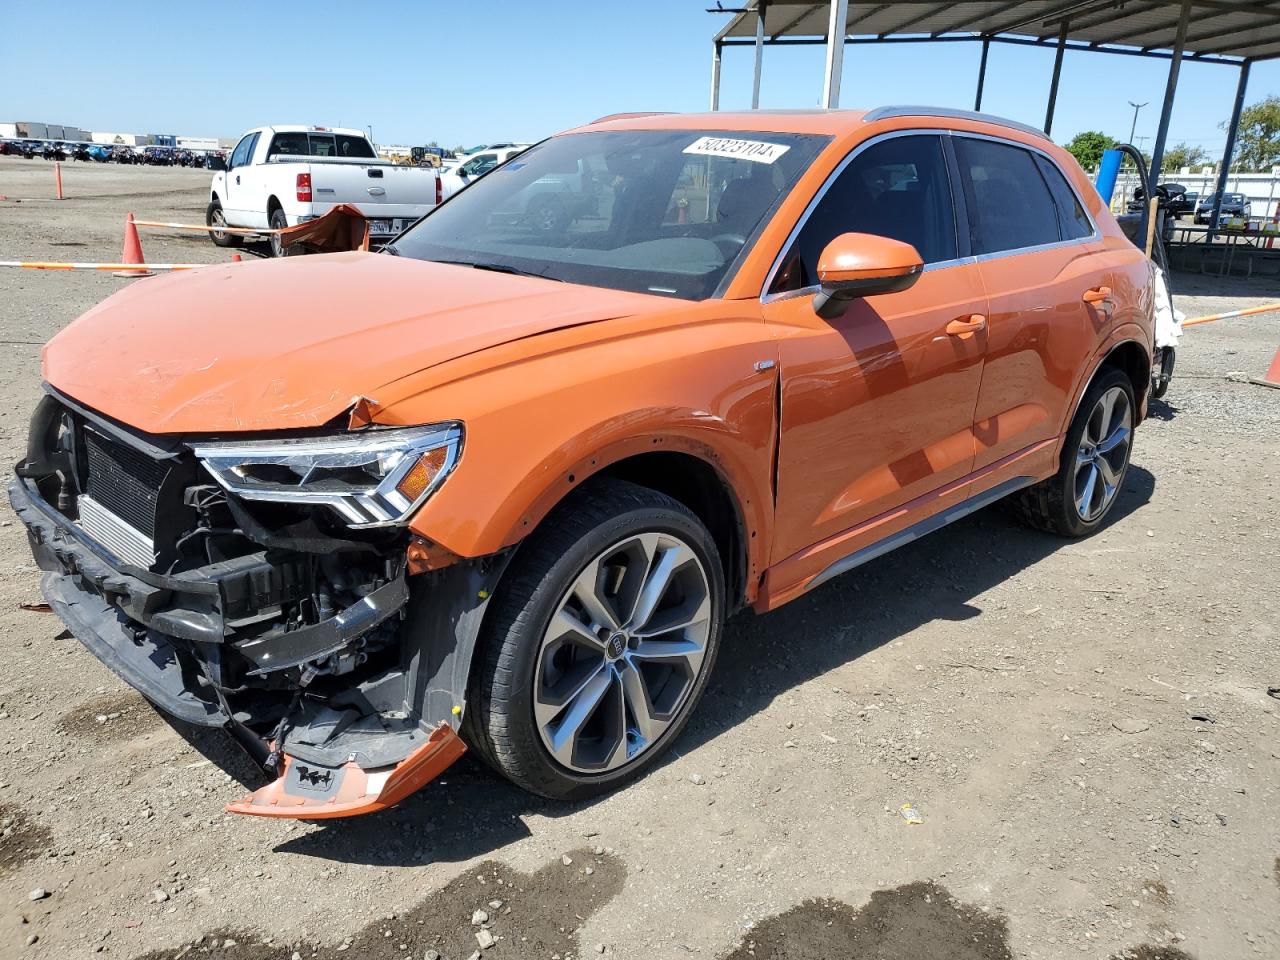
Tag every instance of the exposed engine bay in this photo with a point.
(264, 587)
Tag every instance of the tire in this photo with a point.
(276, 220)
(1164, 375)
(214, 210)
(548, 215)
(531, 680)
(1055, 504)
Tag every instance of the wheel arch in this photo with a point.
(273, 203)
(691, 477)
(1127, 350)
(699, 486)
(1135, 361)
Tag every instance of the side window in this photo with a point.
(1011, 206)
(289, 145)
(349, 146)
(481, 164)
(240, 155)
(897, 188)
(1072, 220)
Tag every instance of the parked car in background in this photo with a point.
(500, 487)
(477, 164)
(1233, 205)
(1173, 198)
(284, 175)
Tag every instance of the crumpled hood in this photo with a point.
(291, 343)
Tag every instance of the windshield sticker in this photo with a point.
(756, 151)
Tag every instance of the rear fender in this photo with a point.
(1123, 333)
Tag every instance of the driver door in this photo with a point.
(877, 405)
(236, 203)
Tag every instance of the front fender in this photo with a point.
(537, 427)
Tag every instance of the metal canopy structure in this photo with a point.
(1230, 32)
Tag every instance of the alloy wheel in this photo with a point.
(622, 652)
(218, 219)
(1103, 454)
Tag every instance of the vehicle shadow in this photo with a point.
(470, 811)
(1161, 410)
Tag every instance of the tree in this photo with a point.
(1258, 142)
(1184, 155)
(1088, 147)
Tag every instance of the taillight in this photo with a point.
(304, 188)
(439, 191)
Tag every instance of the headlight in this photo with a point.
(371, 479)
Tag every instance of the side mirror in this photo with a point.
(855, 265)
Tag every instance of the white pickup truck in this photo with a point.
(285, 175)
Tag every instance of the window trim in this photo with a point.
(964, 225)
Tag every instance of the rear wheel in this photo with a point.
(214, 217)
(278, 221)
(599, 643)
(1095, 457)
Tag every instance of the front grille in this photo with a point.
(124, 481)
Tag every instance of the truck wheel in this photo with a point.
(278, 221)
(1095, 457)
(214, 217)
(548, 215)
(599, 642)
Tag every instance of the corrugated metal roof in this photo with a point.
(1218, 28)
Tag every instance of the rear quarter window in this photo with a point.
(1073, 222)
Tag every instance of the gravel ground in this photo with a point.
(1084, 728)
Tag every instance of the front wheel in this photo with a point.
(214, 217)
(1095, 457)
(599, 644)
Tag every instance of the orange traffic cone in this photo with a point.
(1272, 377)
(132, 252)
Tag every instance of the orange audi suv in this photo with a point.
(499, 485)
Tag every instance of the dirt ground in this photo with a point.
(1084, 728)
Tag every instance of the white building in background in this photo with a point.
(197, 143)
(117, 139)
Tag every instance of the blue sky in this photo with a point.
(471, 71)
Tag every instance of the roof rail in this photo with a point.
(884, 113)
(630, 116)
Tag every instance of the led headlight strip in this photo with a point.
(371, 479)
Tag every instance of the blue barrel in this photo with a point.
(1108, 170)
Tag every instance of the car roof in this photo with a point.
(813, 120)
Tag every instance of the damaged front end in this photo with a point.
(267, 586)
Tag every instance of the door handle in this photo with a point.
(963, 327)
(1097, 295)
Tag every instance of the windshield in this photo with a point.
(652, 211)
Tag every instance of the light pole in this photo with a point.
(1136, 107)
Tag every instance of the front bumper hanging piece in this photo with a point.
(308, 791)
